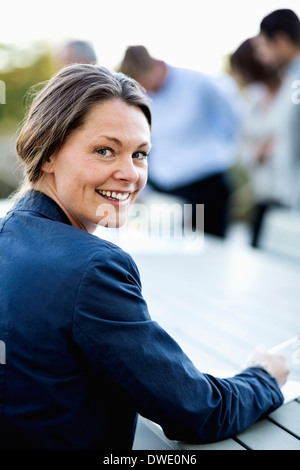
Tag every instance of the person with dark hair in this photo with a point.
(282, 23)
(248, 69)
(278, 45)
(193, 136)
(260, 84)
(80, 353)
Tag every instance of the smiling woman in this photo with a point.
(82, 354)
(90, 153)
(101, 167)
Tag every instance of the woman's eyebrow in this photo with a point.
(113, 139)
(119, 143)
(145, 144)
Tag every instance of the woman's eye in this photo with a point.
(104, 152)
(140, 155)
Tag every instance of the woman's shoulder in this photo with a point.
(86, 256)
(102, 262)
(99, 251)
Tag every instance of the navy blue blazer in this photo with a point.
(81, 355)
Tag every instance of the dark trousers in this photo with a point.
(214, 192)
(259, 215)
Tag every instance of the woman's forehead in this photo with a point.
(115, 120)
(115, 112)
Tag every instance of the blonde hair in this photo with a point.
(62, 106)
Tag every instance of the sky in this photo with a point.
(189, 33)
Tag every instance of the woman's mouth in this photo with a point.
(113, 195)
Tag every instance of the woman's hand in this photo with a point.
(275, 364)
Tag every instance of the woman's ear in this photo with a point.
(48, 166)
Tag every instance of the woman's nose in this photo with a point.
(126, 170)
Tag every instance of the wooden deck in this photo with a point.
(218, 303)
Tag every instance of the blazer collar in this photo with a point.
(36, 201)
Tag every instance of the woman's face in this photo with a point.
(268, 50)
(101, 167)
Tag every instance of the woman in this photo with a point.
(256, 150)
(83, 355)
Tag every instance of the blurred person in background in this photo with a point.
(76, 52)
(278, 44)
(193, 136)
(255, 151)
(80, 354)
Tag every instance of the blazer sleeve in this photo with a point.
(116, 333)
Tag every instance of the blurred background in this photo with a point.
(191, 34)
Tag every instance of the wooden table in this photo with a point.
(219, 302)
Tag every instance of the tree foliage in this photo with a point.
(21, 69)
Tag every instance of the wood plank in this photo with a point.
(227, 444)
(150, 436)
(288, 417)
(265, 435)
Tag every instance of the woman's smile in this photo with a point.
(116, 196)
